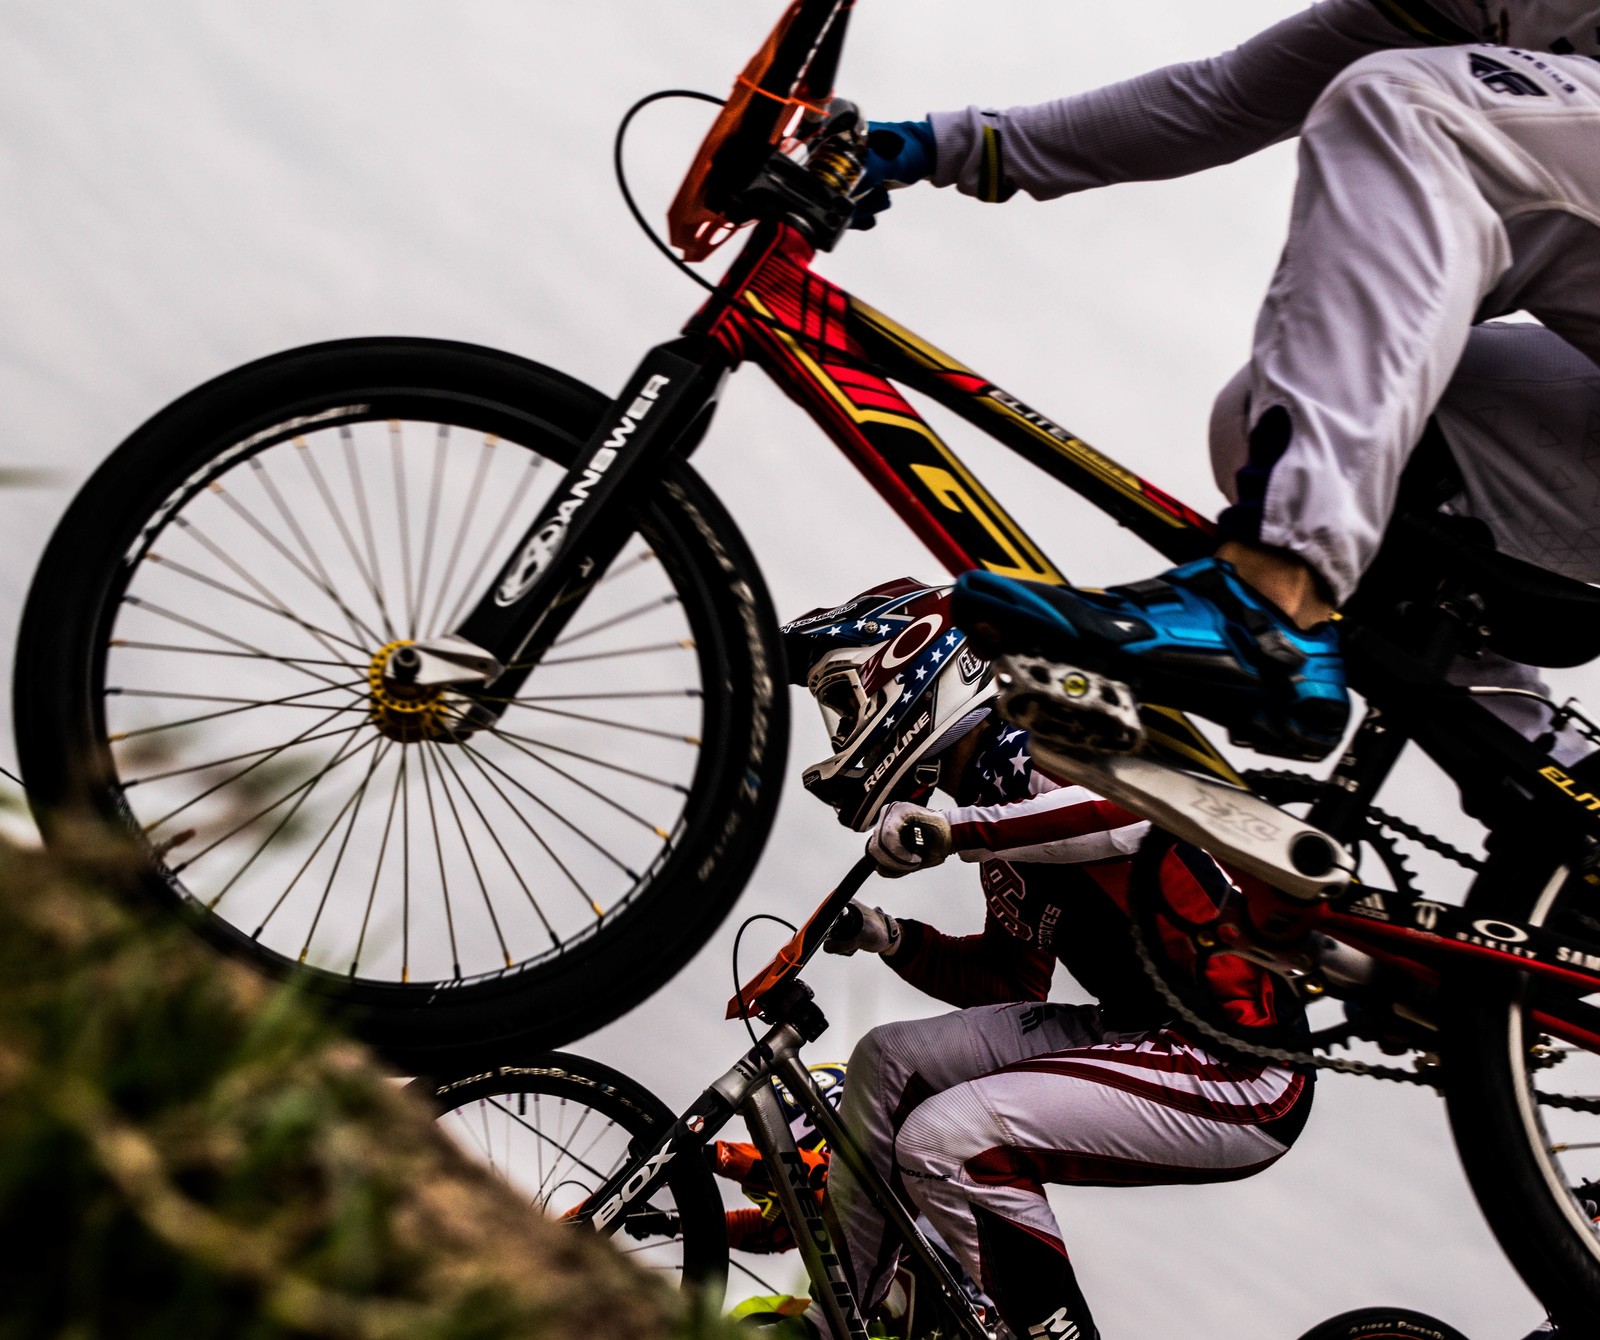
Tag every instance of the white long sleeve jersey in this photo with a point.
(1184, 118)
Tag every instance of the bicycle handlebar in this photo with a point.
(803, 945)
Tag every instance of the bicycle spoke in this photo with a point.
(315, 851)
(138, 602)
(348, 750)
(304, 737)
(675, 736)
(321, 635)
(474, 495)
(292, 700)
(470, 592)
(129, 645)
(320, 579)
(598, 697)
(649, 649)
(511, 865)
(243, 772)
(472, 856)
(405, 878)
(315, 471)
(659, 831)
(559, 817)
(344, 846)
(565, 1145)
(430, 529)
(377, 870)
(250, 579)
(647, 555)
(397, 457)
(538, 837)
(444, 879)
(627, 616)
(500, 733)
(358, 485)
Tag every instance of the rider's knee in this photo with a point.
(1371, 88)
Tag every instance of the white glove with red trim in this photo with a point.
(879, 933)
(908, 837)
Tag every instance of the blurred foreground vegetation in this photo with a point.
(187, 1152)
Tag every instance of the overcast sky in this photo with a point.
(185, 186)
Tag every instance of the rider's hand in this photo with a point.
(878, 934)
(908, 837)
(899, 153)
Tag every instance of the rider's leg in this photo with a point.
(1117, 1110)
(895, 1068)
(1436, 186)
(1519, 415)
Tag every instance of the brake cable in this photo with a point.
(814, 339)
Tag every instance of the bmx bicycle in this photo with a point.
(426, 675)
(589, 1146)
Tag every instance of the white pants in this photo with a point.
(1432, 194)
(971, 1113)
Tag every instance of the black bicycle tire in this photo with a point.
(1383, 1323)
(1479, 1028)
(736, 792)
(624, 1100)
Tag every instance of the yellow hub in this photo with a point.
(404, 711)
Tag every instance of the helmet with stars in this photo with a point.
(897, 684)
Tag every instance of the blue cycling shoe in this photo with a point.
(1196, 638)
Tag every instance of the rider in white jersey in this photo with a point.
(1447, 176)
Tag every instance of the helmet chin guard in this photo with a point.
(896, 683)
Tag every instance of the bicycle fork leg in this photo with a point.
(647, 1171)
(769, 1131)
(797, 1080)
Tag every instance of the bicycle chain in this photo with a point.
(1310, 1060)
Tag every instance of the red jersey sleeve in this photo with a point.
(991, 968)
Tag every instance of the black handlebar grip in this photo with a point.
(847, 925)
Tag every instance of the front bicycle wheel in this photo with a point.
(558, 1127)
(1383, 1323)
(1522, 1087)
(200, 665)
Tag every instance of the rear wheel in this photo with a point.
(556, 1127)
(201, 664)
(1522, 1068)
(1383, 1323)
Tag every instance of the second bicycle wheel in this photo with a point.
(199, 664)
(1522, 1069)
(557, 1127)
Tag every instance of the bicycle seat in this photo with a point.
(1529, 614)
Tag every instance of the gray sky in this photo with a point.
(185, 186)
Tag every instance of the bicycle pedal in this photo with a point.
(1068, 706)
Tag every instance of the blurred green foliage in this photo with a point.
(186, 1151)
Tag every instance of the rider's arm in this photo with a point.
(1064, 824)
(1168, 123)
(993, 968)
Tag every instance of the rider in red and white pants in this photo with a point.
(972, 1113)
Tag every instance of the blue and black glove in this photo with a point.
(899, 153)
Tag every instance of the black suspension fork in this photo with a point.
(660, 414)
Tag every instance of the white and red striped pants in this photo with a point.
(971, 1113)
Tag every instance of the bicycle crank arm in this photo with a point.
(585, 521)
(1233, 825)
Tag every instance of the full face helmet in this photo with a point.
(897, 684)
